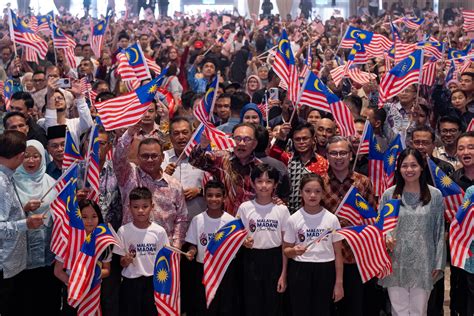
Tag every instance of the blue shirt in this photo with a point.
(13, 227)
(53, 171)
(198, 85)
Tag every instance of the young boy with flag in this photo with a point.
(140, 240)
(200, 233)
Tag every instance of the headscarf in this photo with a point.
(248, 107)
(32, 186)
(260, 85)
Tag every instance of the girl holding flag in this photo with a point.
(91, 217)
(315, 271)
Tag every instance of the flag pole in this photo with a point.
(266, 108)
(419, 78)
(299, 96)
(89, 148)
(12, 34)
(360, 143)
(59, 179)
(175, 249)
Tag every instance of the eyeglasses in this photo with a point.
(335, 154)
(38, 80)
(423, 143)
(150, 156)
(34, 157)
(449, 131)
(301, 139)
(58, 99)
(245, 139)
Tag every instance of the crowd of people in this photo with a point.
(285, 178)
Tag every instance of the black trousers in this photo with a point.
(261, 271)
(311, 287)
(225, 301)
(436, 301)
(353, 301)
(137, 297)
(47, 289)
(457, 292)
(110, 289)
(469, 277)
(11, 298)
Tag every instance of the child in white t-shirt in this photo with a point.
(141, 240)
(315, 271)
(264, 265)
(200, 232)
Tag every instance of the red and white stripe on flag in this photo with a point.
(468, 16)
(169, 305)
(126, 72)
(377, 176)
(452, 203)
(461, 236)
(343, 117)
(369, 251)
(216, 265)
(428, 75)
(91, 304)
(152, 65)
(470, 127)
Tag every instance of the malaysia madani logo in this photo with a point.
(252, 226)
(203, 239)
(301, 235)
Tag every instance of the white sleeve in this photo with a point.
(336, 225)
(290, 234)
(50, 118)
(191, 235)
(285, 216)
(85, 118)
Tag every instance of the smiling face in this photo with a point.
(449, 133)
(407, 96)
(251, 116)
(150, 158)
(410, 169)
(303, 141)
(465, 151)
(244, 138)
(264, 186)
(214, 199)
(252, 84)
(59, 101)
(150, 115)
(339, 156)
(32, 161)
(180, 134)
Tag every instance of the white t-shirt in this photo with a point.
(264, 222)
(202, 230)
(144, 244)
(302, 228)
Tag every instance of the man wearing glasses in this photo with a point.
(170, 209)
(449, 129)
(232, 168)
(337, 182)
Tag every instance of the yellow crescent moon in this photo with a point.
(283, 41)
(354, 33)
(209, 92)
(436, 171)
(102, 230)
(24, 23)
(232, 228)
(57, 31)
(413, 61)
(163, 258)
(136, 54)
(390, 209)
(316, 85)
(395, 147)
(7, 88)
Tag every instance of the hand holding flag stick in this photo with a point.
(175, 250)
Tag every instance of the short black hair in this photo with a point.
(178, 119)
(186, 99)
(12, 114)
(104, 96)
(360, 119)
(449, 119)
(356, 101)
(303, 126)
(262, 139)
(424, 128)
(260, 169)
(25, 96)
(85, 203)
(379, 113)
(123, 35)
(465, 134)
(468, 73)
(214, 184)
(224, 95)
(252, 126)
(140, 193)
(12, 143)
(149, 141)
(238, 100)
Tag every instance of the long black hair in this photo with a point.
(425, 195)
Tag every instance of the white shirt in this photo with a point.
(265, 223)
(302, 228)
(144, 244)
(189, 177)
(202, 230)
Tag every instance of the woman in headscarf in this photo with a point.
(251, 114)
(253, 84)
(31, 183)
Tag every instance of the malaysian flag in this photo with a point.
(203, 111)
(387, 218)
(218, 138)
(432, 49)
(136, 60)
(30, 55)
(313, 95)
(126, 72)
(390, 160)
(59, 236)
(468, 16)
(194, 140)
(220, 252)
(71, 151)
(7, 93)
(128, 109)
(90, 305)
(153, 66)
(428, 74)
(98, 34)
(43, 22)
(376, 162)
(367, 244)
(306, 66)
(92, 164)
(470, 127)
(65, 42)
(86, 89)
(451, 72)
(461, 233)
(404, 74)
(412, 23)
(374, 44)
(24, 35)
(452, 192)
(356, 56)
(355, 209)
(82, 272)
(365, 139)
(285, 67)
(166, 282)
(460, 54)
